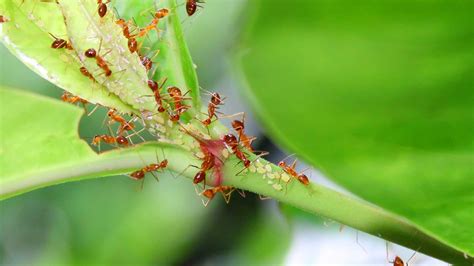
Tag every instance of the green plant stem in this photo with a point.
(314, 198)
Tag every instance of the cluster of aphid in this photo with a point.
(172, 104)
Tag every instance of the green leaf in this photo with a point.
(379, 97)
(26, 35)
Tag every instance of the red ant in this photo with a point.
(290, 169)
(3, 19)
(153, 24)
(102, 8)
(153, 85)
(208, 163)
(231, 141)
(246, 141)
(178, 98)
(191, 6)
(124, 125)
(60, 43)
(132, 42)
(120, 140)
(91, 53)
(86, 73)
(69, 98)
(211, 108)
(140, 174)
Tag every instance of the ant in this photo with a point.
(92, 53)
(3, 19)
(153, 24)
(192, 5)
(231, 141)
(178, 97)
(86, 73)
(120, 140)
(239, 127)
(208, 163)
(60, 43)
(132, 42)
(102, 8)
(69, 98)
(140, 174)
(211, 108)
(290, 169)
(124, 125)
(153, 85)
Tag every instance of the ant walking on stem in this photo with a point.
(154, 23)
(291, 170)
(212, 108)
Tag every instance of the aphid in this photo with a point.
(102, 8)
(211, 108)
(178, 97)
(3, 19)
(231, 141)
(153, 24)
(86, 73)
(121, 140)
(192, 5)
(290, 169)
(239, 127)
(226, 192)
(92, 53)
(60, 43)
(69, 98)
(153, 85)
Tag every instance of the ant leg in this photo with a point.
(263, 198)
(93, 110)
(358, 243)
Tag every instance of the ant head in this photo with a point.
(199, 177)
(207, 122)
(153, 85)
(208, 193)
(91, 53)
(111, 112)
(146, 62)
(238, 125)
(282, 164)
(120, 21)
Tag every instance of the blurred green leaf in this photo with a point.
(377, 95)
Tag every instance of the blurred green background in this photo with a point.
(112, 221)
